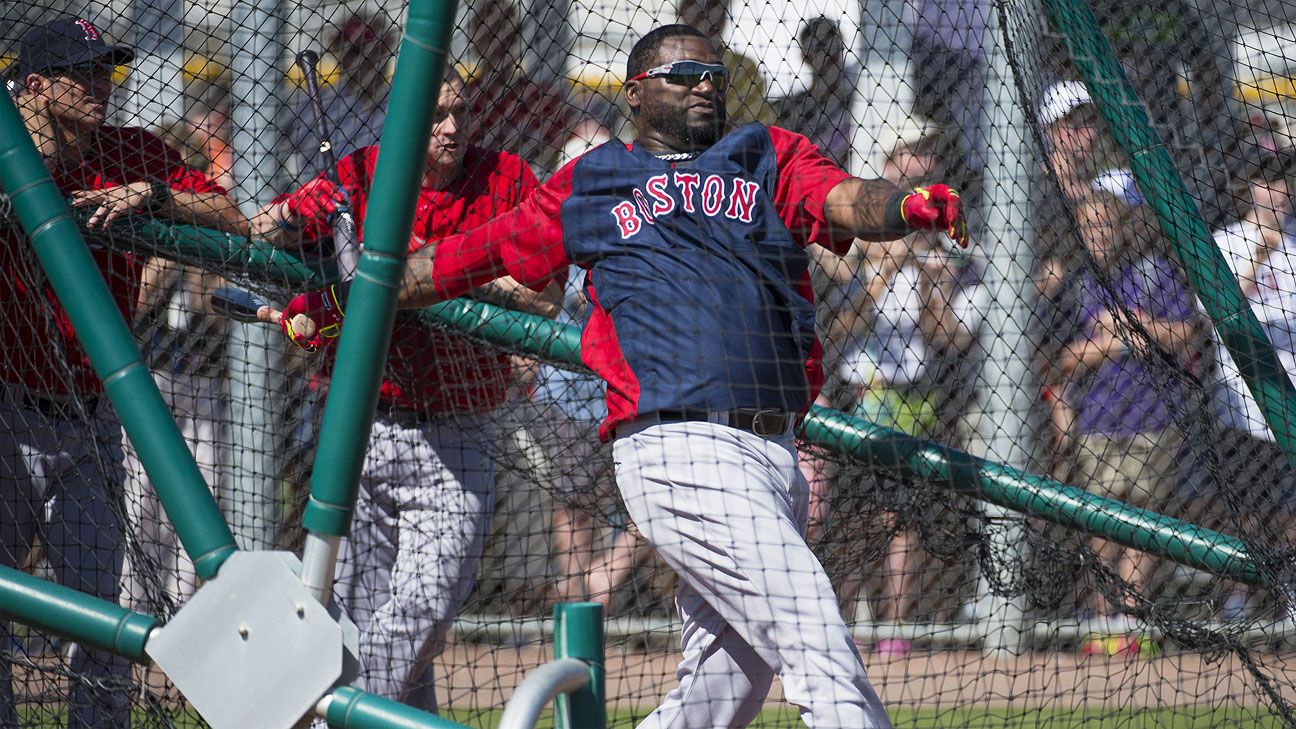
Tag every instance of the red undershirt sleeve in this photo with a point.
(805, 177)
(525, 243)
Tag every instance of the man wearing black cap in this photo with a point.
(60, 443)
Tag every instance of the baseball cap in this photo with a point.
(1061, 99)
(65, 42)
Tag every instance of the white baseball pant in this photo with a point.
(157, 576)
(426, 498)
(727, 510)
(59, 478)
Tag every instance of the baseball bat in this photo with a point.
(346, 244)
(243, 306)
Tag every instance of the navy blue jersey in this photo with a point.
(697, 270)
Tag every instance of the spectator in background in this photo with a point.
(1076, 145)
(355, 104)
(823, 111)
(183, 342)
(910, 328)
(949, 54)
(511, 111)
(1251, 469)
(1077, 154)
(209, 120)
(60, 440)
(1105, 318)
(745, 101)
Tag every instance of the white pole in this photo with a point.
(1008, 381)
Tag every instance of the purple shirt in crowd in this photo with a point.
(1124, 397)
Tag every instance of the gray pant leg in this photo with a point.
(439, 487)
(20, 508)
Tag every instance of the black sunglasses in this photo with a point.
(691, 73)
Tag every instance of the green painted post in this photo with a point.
(515, 330)
(90, 621)
(371, 309)
(44, 215)
(578, 633)
(351, 708)
(1026, 493)
(1208, 273)
(214, 250)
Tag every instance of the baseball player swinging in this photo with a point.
(693, 238)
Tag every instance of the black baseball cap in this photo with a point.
(63, 43)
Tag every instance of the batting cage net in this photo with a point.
(1064, 347)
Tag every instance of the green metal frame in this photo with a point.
(60, 247)
(578, 633)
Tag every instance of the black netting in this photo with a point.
(1064, 343)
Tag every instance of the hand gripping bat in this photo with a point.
(346, 243)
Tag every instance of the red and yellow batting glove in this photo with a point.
(318, 198)
(313, 320)
(936, 208)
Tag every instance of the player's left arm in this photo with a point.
(879, 210)
(168, 189)
(827, 206)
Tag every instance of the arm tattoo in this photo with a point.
(417, 286)
(864, 209)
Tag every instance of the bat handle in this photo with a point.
(269, 315)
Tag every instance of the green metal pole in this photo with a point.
(578, 633)
(87, 620)
(1029, 494)
(43, 214)
(904, 454)
(371, 308)
(1000, 485)
(214, 250)
(351, 708)
(1208, 273)
(515, 330)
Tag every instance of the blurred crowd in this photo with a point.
(1126, 362)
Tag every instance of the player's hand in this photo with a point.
(936, 208)
(113, 202)
(34, 110)
(313, 320)
(316, 200)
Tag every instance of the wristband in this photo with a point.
(159, 194)
(290, 227)
(893, 213)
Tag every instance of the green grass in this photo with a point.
(1163, 718)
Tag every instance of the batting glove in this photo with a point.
(935, 208)
(313, 320)
(316, 199)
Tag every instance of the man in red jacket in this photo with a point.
(427, 487)
(60, 442)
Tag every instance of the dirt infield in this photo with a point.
(479, 676)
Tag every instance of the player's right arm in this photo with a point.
(525, 243)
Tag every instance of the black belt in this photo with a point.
(63, 409)
(408, 417)
(759, 421)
